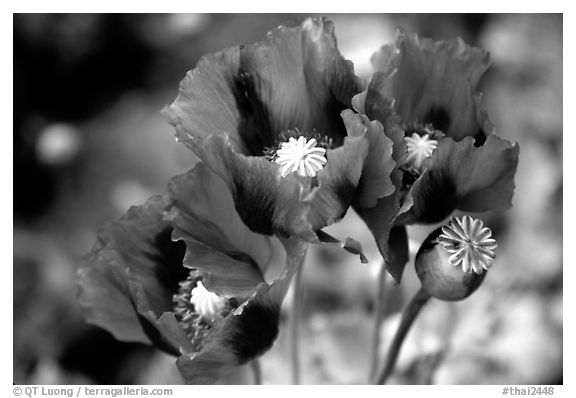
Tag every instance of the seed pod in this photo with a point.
(453, 260)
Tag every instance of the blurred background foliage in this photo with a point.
(89, 142)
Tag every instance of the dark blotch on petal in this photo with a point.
(479, 138)
(464, 176)
(239, 101)
(170, 254)
(253, 332)
(248, 197)
(204, 210)
(436, 199)
(300, 75)
(345, 193)
(439, 117)
(133, 266)
(434, 82)
(265, 202)
(254, 125)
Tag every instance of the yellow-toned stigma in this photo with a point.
(206, 303)
(300, 156)
(418, 148)
(470, 243)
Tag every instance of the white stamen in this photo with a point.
(300, 156)
(206, 303)
(419, 148)
(470, 243)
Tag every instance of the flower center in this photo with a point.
(300, 156)
(470, 244)
(196, 308)
(206, 304)
(418, 148)
(421, 141)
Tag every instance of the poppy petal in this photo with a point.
(375, 179)
(105, 302)
(266, 202)
(208, 99)
(349, 244)
(435, 82)
(163, 331)
(358, 172)
(301, 78)
(380, 220)
(127, 282)
(232, 257)
(463, 176)
(378, 106)
(288, 206)
(137, 244)
(245, 334)
(296, 78)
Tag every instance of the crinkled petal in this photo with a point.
(245, 334)
(265, 201)
(350, 245)
(106, 302)
(296, 78)
(225, 275)
(380, 220)
(463, 176)
(375, 179)
(375, 105)
(288, 206)
(202, 196)
(300, 76)
(163, 331)
(127, 282)
(218, 243)
(337, 182)
(209, 100)
(137, 244)
(435, 82)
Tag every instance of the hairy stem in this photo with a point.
(379, 311)
(408, 316)
(256, 369)
(295, 325)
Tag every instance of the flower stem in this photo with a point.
(408, 316)
(379, 310)
(256, 369)
(295, 326)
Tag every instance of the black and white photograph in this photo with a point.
(287, 199)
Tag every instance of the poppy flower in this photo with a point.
(183, 272)
(271, 119)
(447, 154)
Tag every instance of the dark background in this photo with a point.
(89, 142)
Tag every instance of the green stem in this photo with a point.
(408, 316)
(295, 325)
(379, 309)
(256, 369)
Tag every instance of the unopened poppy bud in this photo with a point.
(453, 260)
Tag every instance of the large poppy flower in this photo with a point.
(267, 119)
(184, 273)
(446, 152)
